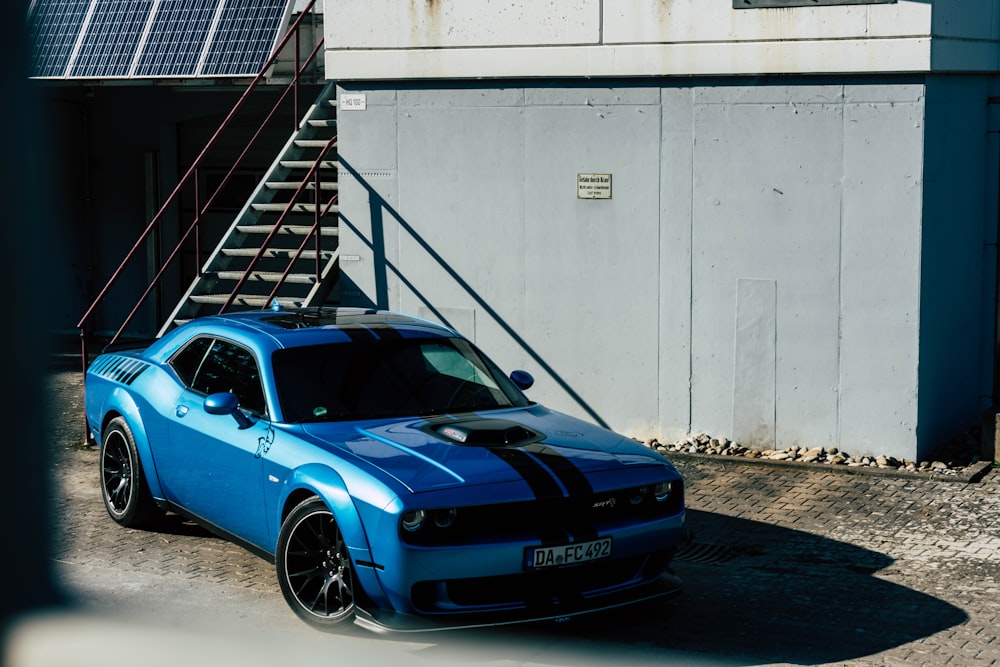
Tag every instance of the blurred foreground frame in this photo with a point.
(31, 257)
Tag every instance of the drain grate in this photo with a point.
(707, 554)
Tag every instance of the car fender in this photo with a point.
(121, 402)
(327, 484)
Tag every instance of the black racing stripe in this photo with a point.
(572, 478)
(552, 537)
(358, 335)
(385, 332)
(582, 532)
(538, 478)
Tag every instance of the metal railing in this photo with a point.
(315, 232)
(190, 179)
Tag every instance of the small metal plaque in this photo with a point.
(593, 186)
(353, 102)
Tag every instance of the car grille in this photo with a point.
(550, 521)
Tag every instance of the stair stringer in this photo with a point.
(206, 292)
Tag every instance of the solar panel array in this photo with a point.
(102, 39)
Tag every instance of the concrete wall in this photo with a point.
(756, 273)
(416, 39)
(959, 232)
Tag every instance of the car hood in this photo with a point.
(551, 453)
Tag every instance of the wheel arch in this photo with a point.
(320, 481)
(121, 404)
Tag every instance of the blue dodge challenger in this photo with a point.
(396, 478)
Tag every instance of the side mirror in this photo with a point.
(227, 403)
(522, 379)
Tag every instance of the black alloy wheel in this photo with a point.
(123, 485)
(314, 568)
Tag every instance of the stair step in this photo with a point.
(276, 253)
(291, 230)
(294, 185)
(313, 143)
(265, 277)
(306, 207)
(314, 132)
(255, 301)
(308, 164)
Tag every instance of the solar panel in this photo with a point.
(176, 39)
(54, 26)
(245, 36)
(94, 39)
(110, 39)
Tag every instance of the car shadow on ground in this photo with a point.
(754, 593)
(179, 526)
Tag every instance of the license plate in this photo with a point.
(567, 554)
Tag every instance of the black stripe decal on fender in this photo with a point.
(534, 473)
(576, 482)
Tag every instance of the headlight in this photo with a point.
(636, 496)
(413, 520)
(661, 491)
(444, 518)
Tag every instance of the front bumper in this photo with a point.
(557, 608)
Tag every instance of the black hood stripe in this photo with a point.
(534, 473)
(541, 466)
(565, 470)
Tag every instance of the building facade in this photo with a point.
(776, 224)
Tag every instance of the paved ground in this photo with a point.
(783, 567)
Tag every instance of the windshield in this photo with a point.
(388, 378)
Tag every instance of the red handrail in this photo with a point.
(274, 230)
(299, 68)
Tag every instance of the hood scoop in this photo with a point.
(485, 433)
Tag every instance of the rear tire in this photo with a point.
(314, 568)
(123, 484)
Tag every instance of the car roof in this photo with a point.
(304, 326)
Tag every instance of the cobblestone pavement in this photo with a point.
(781, 566)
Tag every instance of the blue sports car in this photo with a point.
(393, 474)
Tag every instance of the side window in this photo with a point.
(210, 366)
(187, 362)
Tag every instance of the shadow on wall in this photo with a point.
(378, 209)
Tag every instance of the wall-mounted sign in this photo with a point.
(593, 186)
(353, 102)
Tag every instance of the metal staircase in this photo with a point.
(283, 243)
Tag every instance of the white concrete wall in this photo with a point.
(756, 273)
(416, 39)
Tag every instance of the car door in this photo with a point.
(212, 464)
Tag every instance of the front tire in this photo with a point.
(123, 484)
(314, 568)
